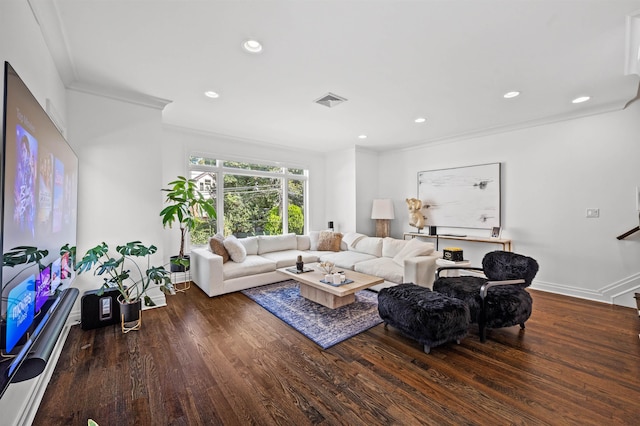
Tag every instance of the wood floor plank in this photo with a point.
(227, 361)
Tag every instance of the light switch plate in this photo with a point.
(593, 213)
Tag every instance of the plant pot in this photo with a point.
(178, 268)
(130, 315)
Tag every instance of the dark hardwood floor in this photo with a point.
(226, 360)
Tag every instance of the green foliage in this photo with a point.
(186, 205)
(131, 287)
(202, 230)
(274, 221)
(296, 219)
(249, 201)
(23, 255)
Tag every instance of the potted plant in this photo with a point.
(125, 274)
(186, 205)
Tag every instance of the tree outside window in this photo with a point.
(254, 197)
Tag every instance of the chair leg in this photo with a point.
(482, 321)
(483, 332)
(522, 325)
(427, 349)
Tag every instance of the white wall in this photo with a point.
(551, 174)
(119, 146)
(340, 190)
(367, 172)
(22, 45)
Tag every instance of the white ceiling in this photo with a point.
(449, 61)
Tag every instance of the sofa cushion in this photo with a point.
(329, 241)
(304, 242)
(236, 250)
(252, 265)
(288, 257)
(383, 267)
(352, 238)
(216, 244)
(344, 259)
(313, 240)
(250, 244)
(392, 246)
(413, 248)
(369, 245)
(270, 243)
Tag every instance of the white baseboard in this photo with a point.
(619, 293)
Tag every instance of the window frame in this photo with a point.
(219, 169)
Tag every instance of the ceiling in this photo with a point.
(394, 61)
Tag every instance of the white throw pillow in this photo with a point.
(236, 250)
(250, 244)
(313, 240)
(352, 238)
(412, 249)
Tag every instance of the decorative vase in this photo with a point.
(130, 315)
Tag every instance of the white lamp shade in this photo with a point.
(382, 209)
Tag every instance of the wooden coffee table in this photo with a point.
(327, 294)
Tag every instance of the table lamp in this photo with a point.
(382, 212)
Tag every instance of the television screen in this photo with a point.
(43, 287)
(39, 208)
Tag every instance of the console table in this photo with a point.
(506, 243)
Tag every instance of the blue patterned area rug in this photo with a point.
(323, 325)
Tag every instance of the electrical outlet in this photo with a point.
(593, 213)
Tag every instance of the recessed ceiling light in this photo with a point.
(510, 95)
(420, 120)
(252, 46)
(211, 94)
(362, 136)
(581, 99)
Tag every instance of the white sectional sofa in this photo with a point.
(397, 261)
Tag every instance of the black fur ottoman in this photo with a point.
(429, 317)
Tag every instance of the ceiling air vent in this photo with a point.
(330, 100)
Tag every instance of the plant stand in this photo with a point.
(130, 316)
(181, 281)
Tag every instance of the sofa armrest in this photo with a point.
(206, 271)
(421, 270)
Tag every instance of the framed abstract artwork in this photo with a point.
(462, 197)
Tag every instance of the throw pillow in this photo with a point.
(236, 250)
(329, 241)
(412, 249)
(216, 243)
(352, 238)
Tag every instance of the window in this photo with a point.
(205, 226)
(251, 199)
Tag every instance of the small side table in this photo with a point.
(451, 272)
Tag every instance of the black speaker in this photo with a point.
(99, 311)
(433, 230)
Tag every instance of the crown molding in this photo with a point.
(632, 42)
(543, 121)
(127, 96)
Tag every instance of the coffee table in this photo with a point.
(327, 294)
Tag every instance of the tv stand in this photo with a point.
(506, 243)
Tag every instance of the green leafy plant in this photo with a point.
(22, 255)
(186, 205)
(130, 280)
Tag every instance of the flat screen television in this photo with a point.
(39, 209)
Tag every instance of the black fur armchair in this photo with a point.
(500, 299)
